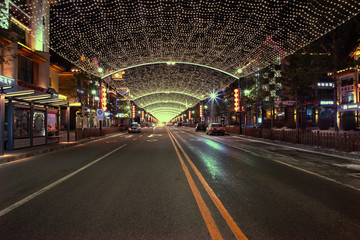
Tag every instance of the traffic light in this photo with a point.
(237, 100)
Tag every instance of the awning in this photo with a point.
(21, 94)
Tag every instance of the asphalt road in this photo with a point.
(174, 183)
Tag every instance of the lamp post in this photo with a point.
(240, 71)
(213, 97)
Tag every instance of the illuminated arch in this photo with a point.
(165, 109)
(166, 92)
(164, 102)
(170, 63)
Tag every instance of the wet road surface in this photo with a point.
(174, 183)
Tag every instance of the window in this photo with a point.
(348, 98)
(347, 81)
(21, 123)
(39, 124)
(26, 70)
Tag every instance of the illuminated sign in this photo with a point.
(237, 100)
(189, 114)
(103, 99)
(118, 75)
(142, 115)
(325, 84)
(349, 107)
(326, 102)
(4, 16)
(201, 111)
(122, 115)
(133, 111)
(7, 80)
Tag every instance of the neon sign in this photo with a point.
(7, 80)
(103, 99)
(236, 100)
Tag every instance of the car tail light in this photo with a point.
(212, 129)
(223, 129)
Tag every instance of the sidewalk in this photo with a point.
(33, 151)
(302, 147)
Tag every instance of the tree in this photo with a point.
(301, 71)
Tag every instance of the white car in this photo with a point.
(134, 128)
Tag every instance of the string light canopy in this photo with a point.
(227, 34)
(154, 87)
(236, 37)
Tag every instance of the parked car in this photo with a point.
(215, 128)
(200, 127)
(134, 128)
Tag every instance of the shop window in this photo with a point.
(26, 70)
(39, 124)
(52, 126)
(347, 81)
(348, 98)
(21, 123)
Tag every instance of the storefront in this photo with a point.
(31, 117)
(349, 115)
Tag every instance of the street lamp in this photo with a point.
(213, 97)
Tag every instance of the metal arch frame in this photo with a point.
(170, 113)
(170, 63)
(167, 92)
(165, 104)
(165, 109)
(158, 102)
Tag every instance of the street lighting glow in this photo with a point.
(213, 96)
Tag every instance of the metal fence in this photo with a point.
(344, 141)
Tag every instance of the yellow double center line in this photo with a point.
(206, 214)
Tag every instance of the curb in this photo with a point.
(350, 155)
(53, 148)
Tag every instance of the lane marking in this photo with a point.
(48, 187)
(224, 213)
(204, 210)
(287, 164)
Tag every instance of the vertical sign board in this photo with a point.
(4, 14)
(100, 115)
(133, 111)
(103, 99)
(237, 100)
